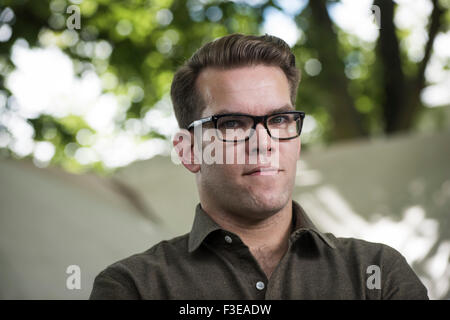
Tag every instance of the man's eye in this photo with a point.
(232, 124)
(279, 120)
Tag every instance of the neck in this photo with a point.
(267, 239)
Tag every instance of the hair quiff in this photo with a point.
(235, 50)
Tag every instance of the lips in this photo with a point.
(263, 171)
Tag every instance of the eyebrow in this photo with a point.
(286, 107)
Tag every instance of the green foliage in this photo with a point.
(135, 46)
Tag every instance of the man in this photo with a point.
(249, 239)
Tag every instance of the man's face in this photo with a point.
(256, 90)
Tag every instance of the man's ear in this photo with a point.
(183, 143)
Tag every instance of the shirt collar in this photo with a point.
(303, 222)
(203, 225)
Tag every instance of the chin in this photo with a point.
(270, 203)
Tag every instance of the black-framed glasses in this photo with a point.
(234, 127)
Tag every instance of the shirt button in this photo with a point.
(260, 285)
(228, 239)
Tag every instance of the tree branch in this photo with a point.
(392, 72)
(417, 84)
(435, 25)
(347, 120)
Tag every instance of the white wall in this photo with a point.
(395, 191)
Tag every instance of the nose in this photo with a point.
(260, 142)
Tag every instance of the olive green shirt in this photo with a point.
(213, 263)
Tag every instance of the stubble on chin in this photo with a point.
(251, 204)
(240, 197)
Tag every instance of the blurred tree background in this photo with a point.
(116, 109)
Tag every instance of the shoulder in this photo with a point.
(359, 249)
(133, 269)
(160, 253)
(364, 258)
(131, 277)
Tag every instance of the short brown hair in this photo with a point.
(235, 50)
